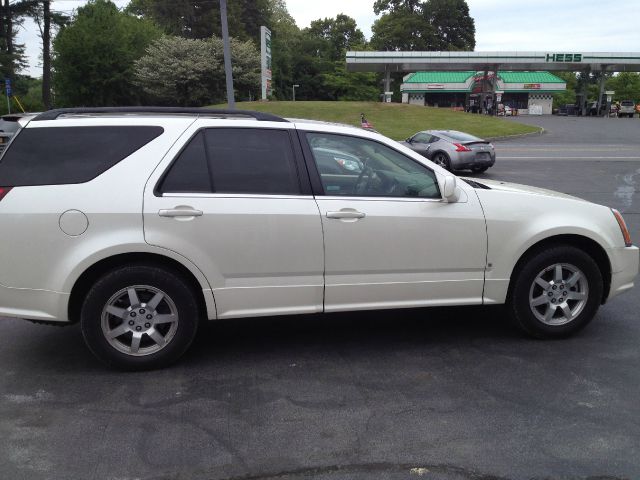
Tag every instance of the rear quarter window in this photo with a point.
(65, 155)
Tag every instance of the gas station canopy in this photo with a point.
(493, 61)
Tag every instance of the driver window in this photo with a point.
(360, 167)
(422, 138)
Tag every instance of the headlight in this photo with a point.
(623, 227)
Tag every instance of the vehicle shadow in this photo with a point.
(361, 331)
(54, 349)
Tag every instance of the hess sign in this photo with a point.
(564, 57)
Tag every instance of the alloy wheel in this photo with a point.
(558, 294)
(139, 320)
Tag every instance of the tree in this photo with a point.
(190, 72)
(336, 36)
(285, 47)
(47, 21)
(626, 85)
(423, 25)
(94, 56)
(12, 57)
(452, 26)
(402, 30)
(323, 74)
(201, 18)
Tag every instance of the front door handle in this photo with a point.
(180, 212)
(349, 214)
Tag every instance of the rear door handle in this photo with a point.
(346, 214)
(180, 212)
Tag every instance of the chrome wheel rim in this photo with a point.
(440, 160)
(139, 320)
(558, 294)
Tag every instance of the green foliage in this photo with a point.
(394, 120)
(201, 18)
(28, 91)
(626, 85)
(568, 97)
(343, 85)
(285, 38)
(190, 72)
(402, 30)
(93, 56)
(335, 36)
(453, 27)
(423, 25)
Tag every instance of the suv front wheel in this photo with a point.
(139, 317)
(556, 292)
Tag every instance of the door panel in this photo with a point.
(403, 253)
(248, 222)
(262, 256)
(390, 240)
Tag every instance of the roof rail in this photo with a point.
(205, 112)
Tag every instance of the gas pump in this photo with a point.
(606, 100)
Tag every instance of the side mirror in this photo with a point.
(409, 140)
(449, 189)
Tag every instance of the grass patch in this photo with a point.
(395, 120)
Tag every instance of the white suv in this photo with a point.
(138, 223)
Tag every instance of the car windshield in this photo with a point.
(627, 103)
(459, 136)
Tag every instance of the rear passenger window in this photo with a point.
(235, 160)
(189, 172)
(253, 161)
(64, 155)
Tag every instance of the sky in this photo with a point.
(501, 25)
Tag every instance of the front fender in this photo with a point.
(517, 221)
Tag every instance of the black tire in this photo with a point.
(524, 292)
(479, 169)
(442, 159)
(177, 303)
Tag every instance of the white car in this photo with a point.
(138, 223)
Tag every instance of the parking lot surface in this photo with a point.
(449, 394)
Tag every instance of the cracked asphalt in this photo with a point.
(438, 394)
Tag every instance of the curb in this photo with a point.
(541, 131)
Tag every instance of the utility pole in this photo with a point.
(9, 37)
(293, 87)
(46, 55)
(231, 101)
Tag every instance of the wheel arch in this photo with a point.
(586, 244)
(84, 282)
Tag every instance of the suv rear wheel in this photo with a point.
(556, 292)
(139, 317)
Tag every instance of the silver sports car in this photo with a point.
(453, 150)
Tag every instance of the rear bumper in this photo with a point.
(33, 304)
(625, 262)
(464, 160)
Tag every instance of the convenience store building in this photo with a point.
(526, 92)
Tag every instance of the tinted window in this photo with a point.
(61, 155)
(378, 170)
(461, 137)
(189, 172)
(251, 160)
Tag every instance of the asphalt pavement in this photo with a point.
(438, 394)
